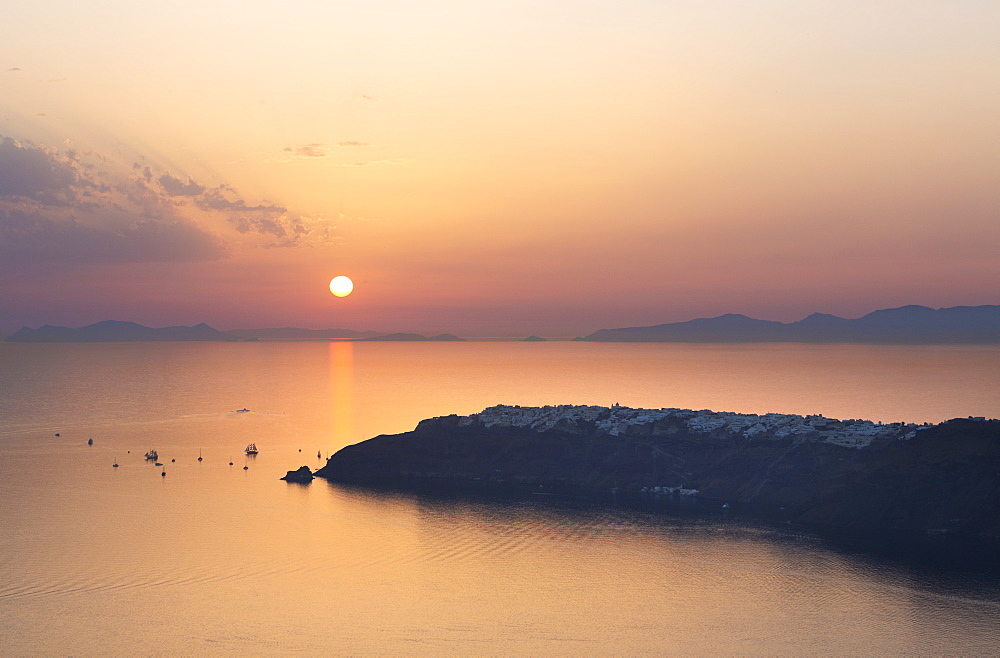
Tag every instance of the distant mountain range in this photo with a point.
(903, 325)
(293, 333)
(111, 331)
(115, 331)
(413, 337)
(913, 325)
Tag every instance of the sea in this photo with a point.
(211, 553)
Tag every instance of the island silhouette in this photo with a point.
(905, 325)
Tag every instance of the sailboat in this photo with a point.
(199, 454)
(151, 455)
(252, 449)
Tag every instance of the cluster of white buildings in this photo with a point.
(618, 420)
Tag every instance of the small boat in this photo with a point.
(199, 454)
(152, 456)
(244, 410)
(90, 442)
(252, 449)
(116, 463)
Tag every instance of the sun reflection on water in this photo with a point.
(342, 393)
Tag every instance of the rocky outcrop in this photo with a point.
(301, 476)
(851, 475)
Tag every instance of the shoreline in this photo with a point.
(933, 480)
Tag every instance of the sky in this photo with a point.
(495, 168)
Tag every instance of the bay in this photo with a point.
(217, 559)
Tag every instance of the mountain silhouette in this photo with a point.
(904, 325)
(116, 331)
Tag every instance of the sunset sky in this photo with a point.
(487, 168)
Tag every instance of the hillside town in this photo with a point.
(625, 421)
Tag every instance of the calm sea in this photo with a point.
(216, 558)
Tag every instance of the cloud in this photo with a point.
(224, 197)
(306, 150)
(62, 208)
(177, 187)
(70, 208)
(34, 173)
(31, 239)
(316, 150)
(373, 163)
(13, 69)
(270, 225)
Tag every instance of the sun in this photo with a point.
(341, 286)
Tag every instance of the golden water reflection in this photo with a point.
(342, 393)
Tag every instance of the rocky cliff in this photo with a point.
(851, 475)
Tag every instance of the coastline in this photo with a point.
(919, 480)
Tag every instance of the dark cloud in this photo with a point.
(269, 225)
(219, 198)
(32, 239)
(177, 187)
(56, 208)
(34, 173)
(71, 208)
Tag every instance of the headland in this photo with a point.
(849, 475)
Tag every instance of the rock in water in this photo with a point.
(301, 476)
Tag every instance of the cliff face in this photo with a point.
(946, 480)
(940, 478)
